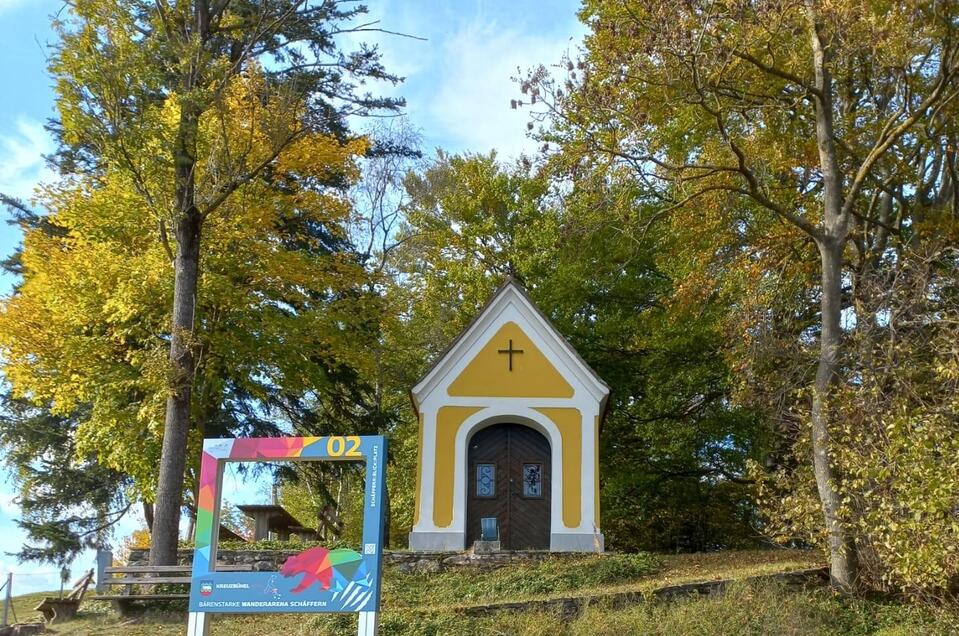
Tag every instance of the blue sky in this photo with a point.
(458, 89)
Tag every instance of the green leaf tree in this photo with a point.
(673, 450)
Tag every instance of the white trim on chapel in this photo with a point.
(470, 387)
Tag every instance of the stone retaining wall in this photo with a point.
(22, 629)
(271, 560)
(571, 606)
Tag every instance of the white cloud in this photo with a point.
(403, 56)
(459, 79)
(22, 165)
(27, 577)
(10, 4)
(475, 85)
(8, 503)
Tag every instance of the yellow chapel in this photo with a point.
(509, 419)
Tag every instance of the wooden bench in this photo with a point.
(136, 577)
(57, 610)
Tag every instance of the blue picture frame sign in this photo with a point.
(315, 580)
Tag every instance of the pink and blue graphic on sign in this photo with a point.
(315, 580)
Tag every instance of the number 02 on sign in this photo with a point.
(315, 580)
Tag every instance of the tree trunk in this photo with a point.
(843, 564)
(176, 426)
(387, 514)
(148, 515)
(191, 528)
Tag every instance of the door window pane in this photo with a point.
(485, 480)
(532, 480)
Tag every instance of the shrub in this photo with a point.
(895, 444)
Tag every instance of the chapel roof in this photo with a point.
(511, 285)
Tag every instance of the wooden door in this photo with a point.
(509, 478)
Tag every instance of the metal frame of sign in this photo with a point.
(316, 580)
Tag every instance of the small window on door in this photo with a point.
(532, 480)
(485, 480)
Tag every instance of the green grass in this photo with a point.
(422, 604)
(766, 608)
(757, 609)
(744, 610)
(517, 582)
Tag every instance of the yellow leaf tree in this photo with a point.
(185, 104)
(822, 127)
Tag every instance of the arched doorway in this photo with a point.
(509, 478)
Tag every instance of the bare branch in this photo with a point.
(230, 188)
(772, 70)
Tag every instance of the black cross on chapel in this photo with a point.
(510, 351)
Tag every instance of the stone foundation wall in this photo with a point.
(270, 560)
(439, 561)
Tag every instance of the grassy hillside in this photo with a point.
(417, 604)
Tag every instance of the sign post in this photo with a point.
(315, 580)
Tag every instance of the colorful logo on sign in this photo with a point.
(340, 566)
(318, 579)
